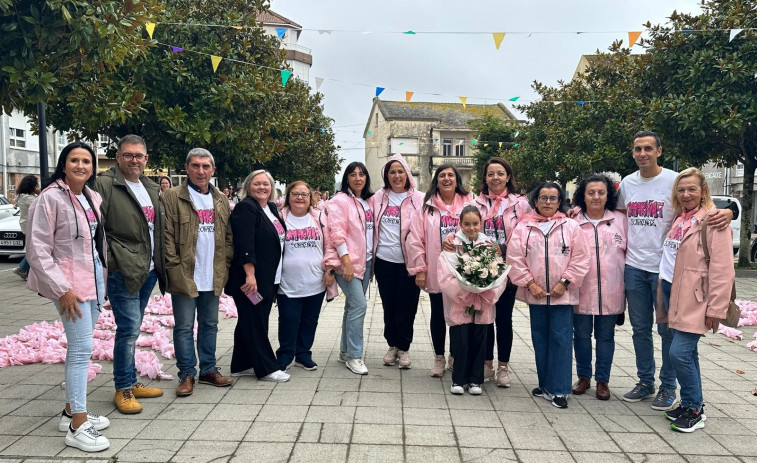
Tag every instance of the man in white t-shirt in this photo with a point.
(646, 197)
(198, 254)
(133, 222)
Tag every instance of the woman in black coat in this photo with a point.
(254, 277)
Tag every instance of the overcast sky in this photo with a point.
(453, 65)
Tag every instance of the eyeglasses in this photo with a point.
(548, 199)
(130, 156)
(298, 195)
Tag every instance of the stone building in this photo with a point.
(297, 56)
(426, 134)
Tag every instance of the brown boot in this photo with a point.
(603, 391)
(215, 378)
(581, 386)
(186, 386)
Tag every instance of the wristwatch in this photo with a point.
(332, 271)
(565, 282)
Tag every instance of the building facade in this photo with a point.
(297, 56)
(426, 134)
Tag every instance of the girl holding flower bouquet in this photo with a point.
(471, 280)
(549, 258)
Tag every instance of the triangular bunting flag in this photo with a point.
(318, 83)
(408, 95)
(633, 37)
(379, 90)
(239, 28)
(581, 102)
(498, 37)
(409, 33)
(285, 75)
(177, 49)
(215, 60)
(463, 100)
(150, 28)
(280, 31)
(323, 31)
(485, 145)
(515, 135)
(515, 98)
(500, 144)
(734, 33)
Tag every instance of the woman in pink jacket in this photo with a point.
(602, 295)
(549, 259)
(66, 250)
(502, 209)
(394, 207)
(696, 292)
(439, 217)
(349, 255)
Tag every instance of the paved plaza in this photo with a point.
(333, 415)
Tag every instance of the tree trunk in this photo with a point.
(745, 241)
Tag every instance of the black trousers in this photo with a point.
(468, 342)
(399, 297)
(438, 325)
(252, 348)
(504, 321)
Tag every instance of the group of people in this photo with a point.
(120, 234)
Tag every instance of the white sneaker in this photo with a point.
(503, 376)
(474, 389)
(343, 357)
(456, 389)
(87, 438)
(247, 372)
(99, 422)
(357, 366)
(277, 376)
(390, 357)
(404, 359)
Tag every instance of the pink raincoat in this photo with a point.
(603, 290)
(346, 223)
(456, 298)
(59, 245)
(562, 253)
(516, 207)
(332, 291)
(424, 242)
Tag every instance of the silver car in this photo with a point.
(12, 240)
(7, 209)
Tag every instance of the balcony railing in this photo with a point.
(462, 161)
(296, 47)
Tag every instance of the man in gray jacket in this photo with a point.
(134, 227)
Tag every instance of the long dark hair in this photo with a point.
(27, 185)
(434, 187)
(579, 197)
(511, 186)
(534, 199)
(60, 169)
(366, 193)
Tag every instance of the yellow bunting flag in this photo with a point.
(239, 28)
(500, 144)
(150, 28)
(633, 37)
(498, 37)
(463, 100)
(215, 60)
(408, 95)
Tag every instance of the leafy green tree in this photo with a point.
(705, 91)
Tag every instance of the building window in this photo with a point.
(447, 147)
(459, 147)
(739, 169)
(17, 138)
(61, 140)
(103, 142)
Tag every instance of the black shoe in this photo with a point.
(673, 415)
(560, 401)
(689, 421)
(537, 392)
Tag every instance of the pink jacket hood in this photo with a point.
(424, 243)
(345, 218)
(398, 157)
(603, 289)
(59, 247)
(562, 253)
(332, 291)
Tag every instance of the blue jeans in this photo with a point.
(298, 319)
(184, 307)
(24, 264)
(668, 371)
(551, 330)
(355, 306)
(128, 311)
(79, 349)
(641, 292)
(604, 333)
(684, 356)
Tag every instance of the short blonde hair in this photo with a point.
(706, 201)
(248, 182)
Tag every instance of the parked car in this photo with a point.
(722, 202)
(7, 209)
(12, 241)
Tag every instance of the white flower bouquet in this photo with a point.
(479, 268)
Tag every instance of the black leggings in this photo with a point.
(399, 298)
(504, 321)
(438, 325)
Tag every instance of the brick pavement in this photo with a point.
(389, 415)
